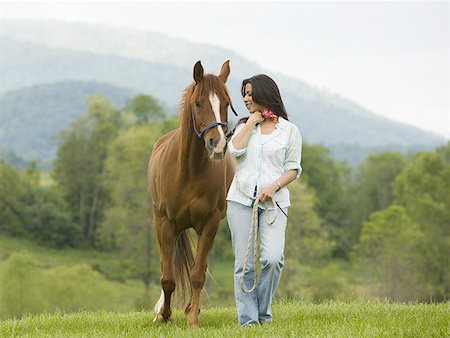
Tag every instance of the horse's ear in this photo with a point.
(198, 72)
(225, 71)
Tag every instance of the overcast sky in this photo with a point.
(392, 57)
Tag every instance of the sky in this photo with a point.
(390, 56)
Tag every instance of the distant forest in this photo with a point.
(31, 119)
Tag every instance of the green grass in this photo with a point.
(125, 294)
(220, 288)
(329, 319)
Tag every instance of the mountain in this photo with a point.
(31, 117)
(37, 52)
(125, 42)
(26, 64)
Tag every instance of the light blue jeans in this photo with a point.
(255, 307)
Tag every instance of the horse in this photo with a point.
(189, 174)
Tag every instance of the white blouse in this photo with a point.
(264, 160)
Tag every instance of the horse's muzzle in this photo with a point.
(213, 153)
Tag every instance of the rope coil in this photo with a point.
(253, 235)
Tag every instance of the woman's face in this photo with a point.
(251, 105)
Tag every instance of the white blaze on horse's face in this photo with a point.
(219, 149)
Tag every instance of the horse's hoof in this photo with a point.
(192, 321)
(193, 324)
(159, 319)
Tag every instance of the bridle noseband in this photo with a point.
(200, 133)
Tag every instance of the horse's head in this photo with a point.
(209, 109)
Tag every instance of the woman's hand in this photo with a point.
(241, 139)
(268, 192)
(255, 118)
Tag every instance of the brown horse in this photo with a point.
(189, 174)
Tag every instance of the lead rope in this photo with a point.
(253, 234)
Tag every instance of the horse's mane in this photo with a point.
(209, 83)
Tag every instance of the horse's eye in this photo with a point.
(198, 104)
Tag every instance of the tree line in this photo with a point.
(380, 230)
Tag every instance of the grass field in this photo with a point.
(329, 319)
(41, 291)
(355, 318)
(55, 257)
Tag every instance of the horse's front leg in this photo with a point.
(198, 272)
(167, 241)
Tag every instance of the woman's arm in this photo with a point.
(240, 141)
(292, 166)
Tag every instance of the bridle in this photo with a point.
(200, 133)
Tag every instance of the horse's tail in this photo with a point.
(184, 261)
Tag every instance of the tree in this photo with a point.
(444, 152)
(47, 221)
(374, 178)
(329, 179)
(145, 109)
(390, 250)
(423, 189)
(79, 166)
(307, 238)
(29, 210)
(128, 217)
(11, 200)
(307, 241)
(372, 190)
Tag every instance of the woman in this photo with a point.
(268, 151)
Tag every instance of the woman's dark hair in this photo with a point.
(265, 92)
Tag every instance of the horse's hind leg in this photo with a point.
(166, 239)
(198, 272)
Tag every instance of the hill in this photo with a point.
(24, 64)
(36, 52)
(31, 117)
